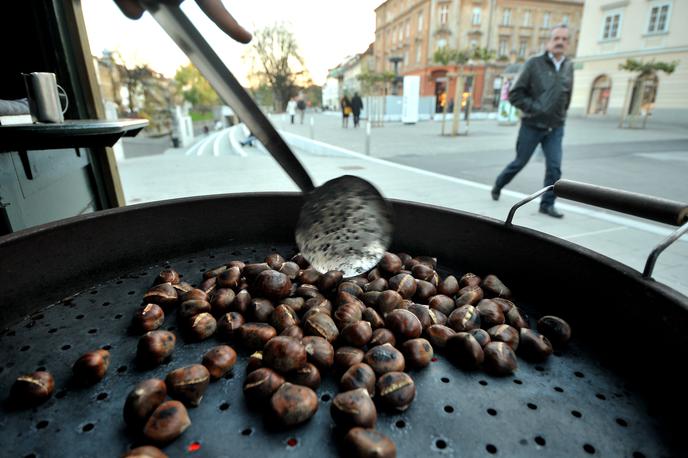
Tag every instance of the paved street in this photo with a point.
(218, 164)
(652, 161)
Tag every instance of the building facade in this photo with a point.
(412, 30)
(645, 30)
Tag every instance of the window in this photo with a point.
(565, 19)
(522, 48)
(401, 34)
(420, 21)
(526, 18)
(408, 28)
(475, 20)
(405, 58)
(441, 43)
(418, 51)
(659, 18)
(612, 26)
(474, 44)
(503, 47)
(506, 16)
(545, 19)
(444, 13)
(543, 44)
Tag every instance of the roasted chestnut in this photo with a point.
(188, 384)
(260, 384)
(284, 354)
(368, 443)
(293, 404)
(170, 276)
(464, 318)
(143, 400)
(272, 285)
(219, 360)
(417, 352)
(308, 375)
(504, 333)
(384, 358)
(353, 408)
(469, 295)
(403, 324)
(555, 329)
(396, 390)
(481, 336)
(390, 263)
(275, 261)
(202, 326)
(145, 451)
(464, 350)
(163, 294)
(359, 375)
(260, 310)
(155, 346)
(318, 351)
(444, 304)
(500, 359)
(438, 334)
(490, 313)
(320, 324)
(229, 323)
(357, 334)
(32, 389)
(149, 317)
(254, 336)
(382, 336)
(449, 286)
(346, 357)
(229, 278)
(222, 300)
(404, 284)
(469, 279)
(91, 367)
(167, 422)
(533, 346)
(494, 287)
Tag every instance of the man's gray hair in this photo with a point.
(559, 26)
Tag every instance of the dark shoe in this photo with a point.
(495, 193)
(551, 211)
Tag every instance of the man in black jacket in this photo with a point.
(542, 93)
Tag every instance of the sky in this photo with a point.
(327, 31)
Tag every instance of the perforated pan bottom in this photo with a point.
(569, 406)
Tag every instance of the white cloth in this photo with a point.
(291, 107)
(557, 63)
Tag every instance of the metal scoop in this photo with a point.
(345, 224)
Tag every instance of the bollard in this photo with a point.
(367, 139)
(311, 128)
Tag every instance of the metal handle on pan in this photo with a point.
(649, 207)
(173, 21)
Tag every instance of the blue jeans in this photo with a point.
(528, 140)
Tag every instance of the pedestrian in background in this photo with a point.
(291, 108)
(356, 107)
(543, 93)
(345, 104)
(301, 107)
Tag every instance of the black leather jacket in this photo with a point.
(543, 94)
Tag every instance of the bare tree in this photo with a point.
(277, 63)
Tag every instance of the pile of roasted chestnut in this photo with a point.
(302, 325)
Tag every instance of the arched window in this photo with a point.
(599, 95)
(644, 94)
